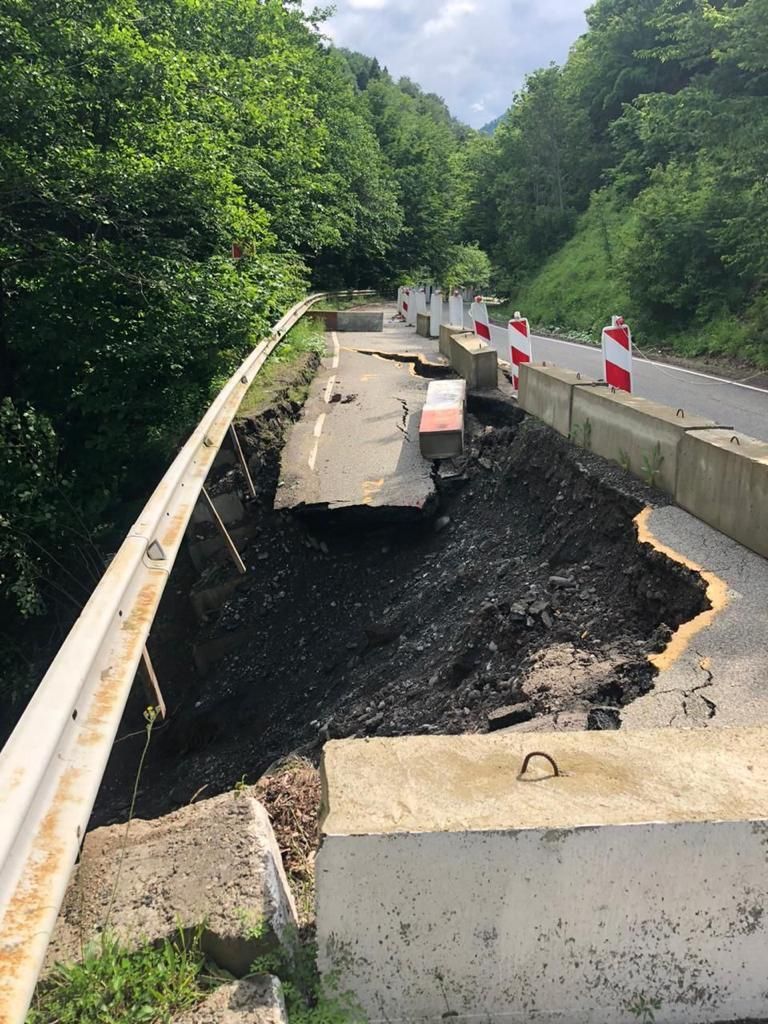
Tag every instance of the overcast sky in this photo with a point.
(473, 53)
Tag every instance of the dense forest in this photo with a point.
(140, 140)
(633, 178)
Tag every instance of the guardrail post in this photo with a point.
(241, 457)
(239, 564)
(151, 685)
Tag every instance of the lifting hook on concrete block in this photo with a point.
(680, 413)
(735, 438)
(539, 753)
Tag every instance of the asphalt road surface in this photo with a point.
(741, 406)
(356, 445)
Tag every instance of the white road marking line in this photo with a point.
(651, 362)
(336, 350)
(312, 460)
(329, 390)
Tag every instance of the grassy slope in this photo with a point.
(577, 290)
(279, 369)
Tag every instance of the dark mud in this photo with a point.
(529, 593)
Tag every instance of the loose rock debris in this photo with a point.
(526, 602)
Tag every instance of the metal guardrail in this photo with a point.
(52, 765)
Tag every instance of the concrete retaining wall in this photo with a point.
(547, 393)
(725, 482)
(450, 886)
(473, 360)
(642, 436)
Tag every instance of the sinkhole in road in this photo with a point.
(526, 601)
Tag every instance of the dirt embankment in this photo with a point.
(527, 600)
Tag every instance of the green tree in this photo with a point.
(468, 267)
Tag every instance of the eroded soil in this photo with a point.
(527, 601)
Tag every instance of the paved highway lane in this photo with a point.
(741, 406)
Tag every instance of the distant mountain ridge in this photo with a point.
(490, 128)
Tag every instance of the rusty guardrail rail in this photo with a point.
(52, 765)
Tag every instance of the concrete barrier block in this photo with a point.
(725, 482)
(363, 321)
(640, 435)
(450, 885)
(359, 320)
(546, 392)
(328, 318)
(473, 360)
(441, 428)
(422, 325)
(213, 865)
(446, 331)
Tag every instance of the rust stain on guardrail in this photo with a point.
(27, 910)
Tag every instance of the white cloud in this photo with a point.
(449, 17)
(464, 49)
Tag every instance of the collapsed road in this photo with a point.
(356, 444)
(518, 597)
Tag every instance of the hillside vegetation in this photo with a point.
(140, 140)
(175, 173)
(633, 179)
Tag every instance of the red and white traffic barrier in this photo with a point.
(435, 313)
(478, 313)
(617, 354)
(409, 307)
(400, 298)
(421, 301)
(519, 346)
(441, 431)
(456, 309)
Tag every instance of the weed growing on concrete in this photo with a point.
(652, 463)
(240, 787)
(643, 1008)
(309, 998)
(581, 434)
(113, 986)
(624, 460)
(254, 925)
